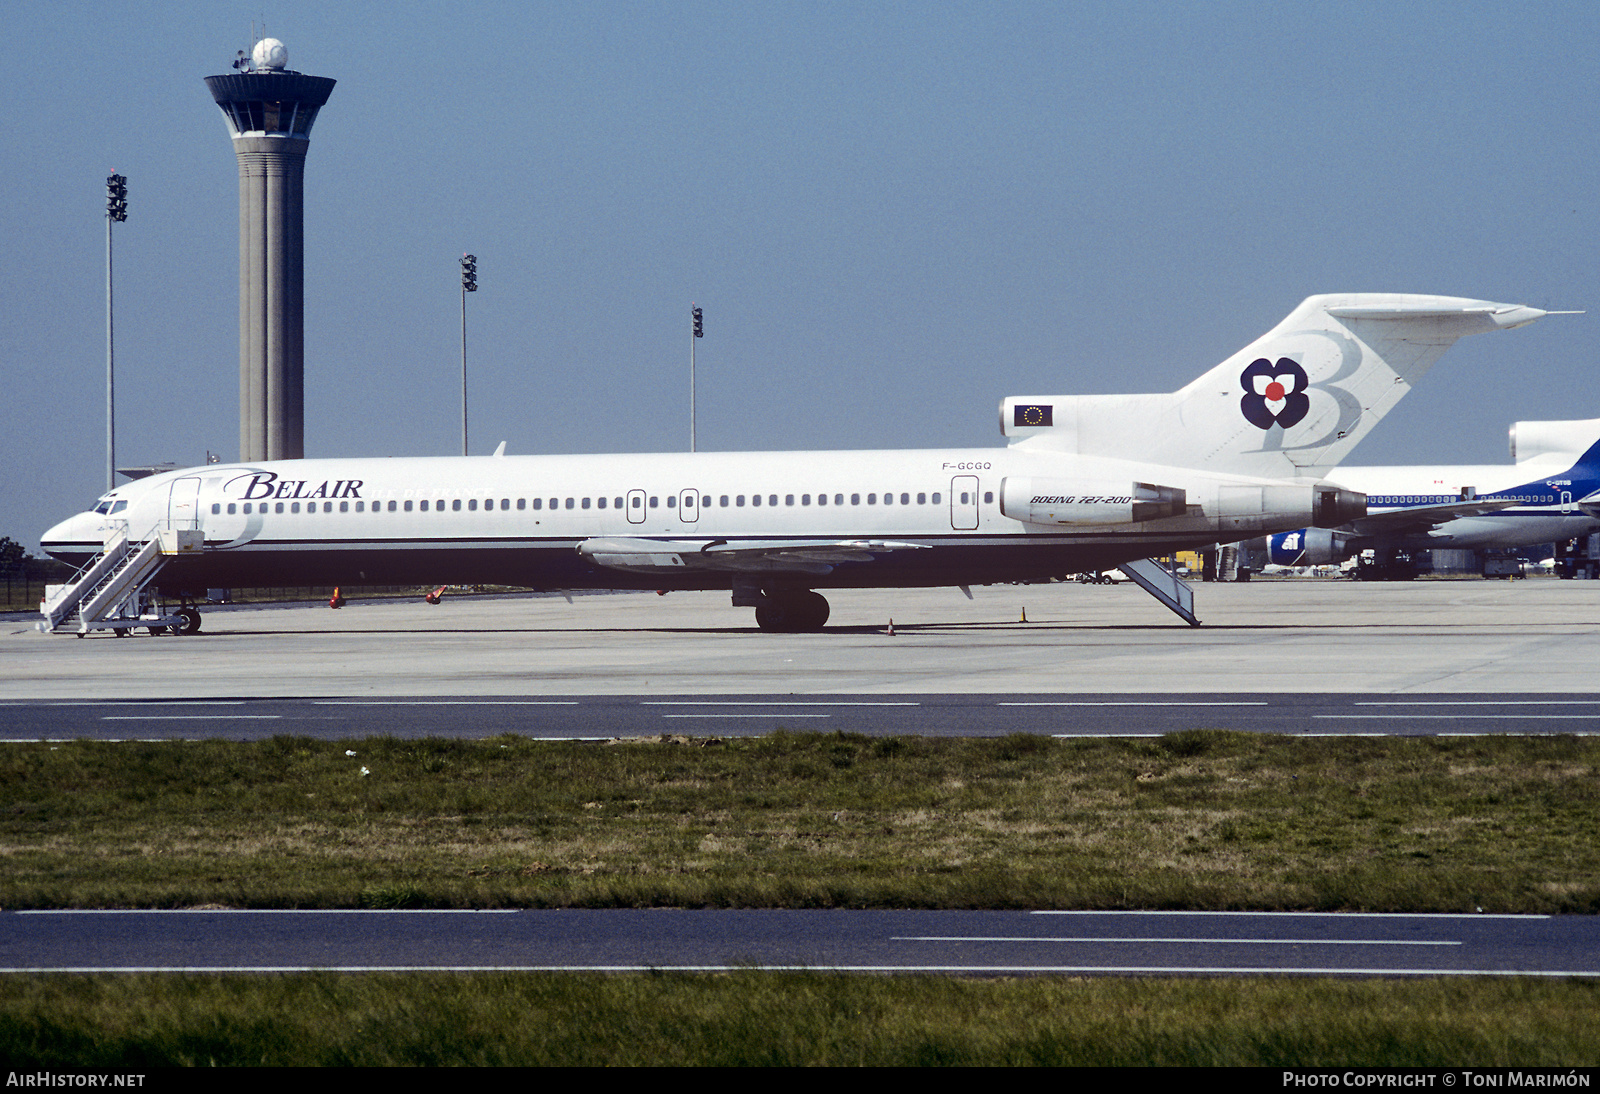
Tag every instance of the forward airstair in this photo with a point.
(108, 593)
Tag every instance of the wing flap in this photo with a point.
(744, 556)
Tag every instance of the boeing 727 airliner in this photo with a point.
(1085, 482)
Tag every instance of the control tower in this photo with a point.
(269, 111)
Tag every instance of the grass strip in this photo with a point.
(1197, 820)
(129, 1023)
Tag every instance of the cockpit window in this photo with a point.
(118, 506)
(103, 506)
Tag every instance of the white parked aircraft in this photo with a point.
(1086, 482)
(1547, 496)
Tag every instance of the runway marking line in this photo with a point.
(1118, 703)
(1463, 717)
(990, 970)
(267, 911)
(1188, 941)
(1476, 702)
(188, 717)
(1312, 915)
(445, 702)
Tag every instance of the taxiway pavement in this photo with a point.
(1539, 636)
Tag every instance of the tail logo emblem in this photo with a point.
(1274, 393)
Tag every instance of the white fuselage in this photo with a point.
(926, 517)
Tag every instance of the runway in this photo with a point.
(962, 942)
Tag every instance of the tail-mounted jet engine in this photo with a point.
(1058, 501)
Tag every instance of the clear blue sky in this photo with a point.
(893, 214)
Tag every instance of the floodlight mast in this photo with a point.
(469, 283)
(697, 330)
(116, 213)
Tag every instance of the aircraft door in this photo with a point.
(635, 506)
(183, 503)
(1566, 501)
(964, 503)
(689, 506)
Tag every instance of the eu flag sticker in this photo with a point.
(1031, 414)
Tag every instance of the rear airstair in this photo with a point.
(108, 593)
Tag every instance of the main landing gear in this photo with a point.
(792, 611)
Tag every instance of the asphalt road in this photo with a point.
(963, 942)
(607, 716)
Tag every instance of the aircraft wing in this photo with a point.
(1421, 518)
(801, 556)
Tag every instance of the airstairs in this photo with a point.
(108, 593)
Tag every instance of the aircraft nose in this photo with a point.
(72, 536)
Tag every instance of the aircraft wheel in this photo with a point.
(120, 632)
(771, 617)
(791, 613)
(813, 611)
(154, 632)
(189, 622)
